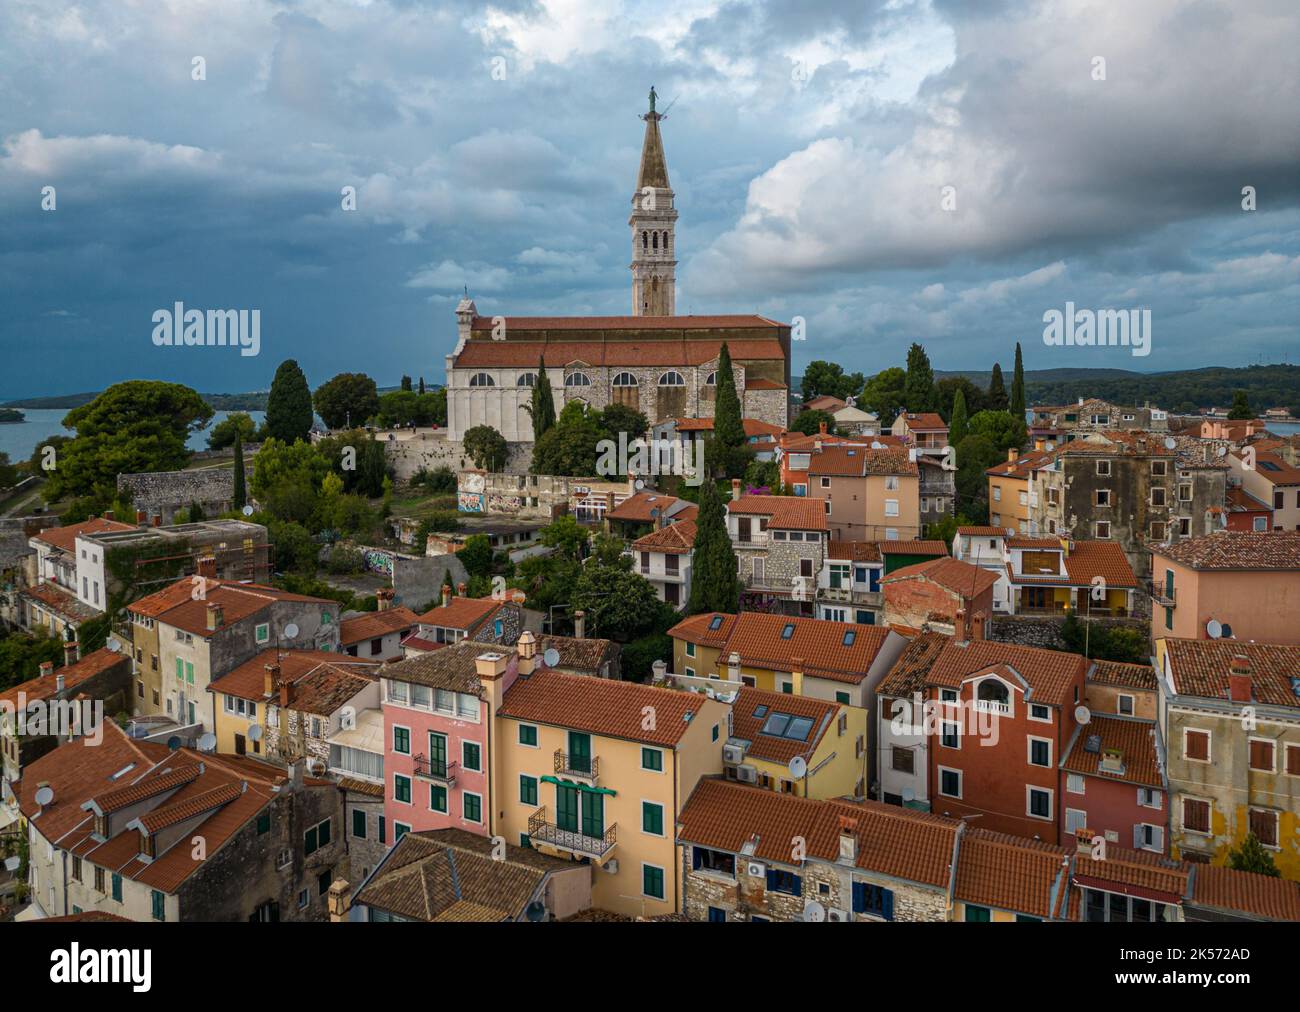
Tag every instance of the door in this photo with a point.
(566, 807)
(438, 754)
(239, 745)
(579, 752)
(760, 570)
(672, 593)
(593, 814)
(742, 526)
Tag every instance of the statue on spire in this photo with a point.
(652, 98)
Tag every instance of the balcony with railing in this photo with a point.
(1161, 593)
(542, 831)
(438, 770)
(857, 594)
(577, 767)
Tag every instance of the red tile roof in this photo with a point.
(1202, 667)
(1228, 550)
(636, 508)
(1276, 899)
(65, 538)
(762, 383)
(43, 687)
(752, 710)
(1274, 468)
(461, 613)
(1012, 873)
(911, 671)
(916, 547)
(985, 532)
(658, 352)
(248, 680)
(711, 629)
(674, 539)
(238, 601)
(854, 551)
(924, 421)
(857, 462)
(952, 574)
(1021, 466)
(1131, 676)
(380, 623)
(1051, 674)
(1135, 739)
(782, 511)
(1090, 559)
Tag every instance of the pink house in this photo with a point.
(438, 710)
(1112, 784)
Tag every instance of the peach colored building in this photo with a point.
(868, 494)
(1248, 583)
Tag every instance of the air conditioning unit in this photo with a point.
(733, 754)
(747, 774)
(756, 870)
(840, 916)
(610, 867)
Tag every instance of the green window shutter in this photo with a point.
(593, 814)
(383, 829)
(189, 673)
(527, 734)
(472, 807)
(566, 808)
(263, 823)
(652, 759)
(402, 788)
(400, 829)
(437, 798)
(652, 881)
(117, 887)
(470, 754)
(358, 824)
(324, 835)
(180, 668)
(842, 697)
(402, 740)
(528, 790)
(159, 907)
(652, 818)
(309, 842)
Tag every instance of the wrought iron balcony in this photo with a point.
(433, 769)
(1161, 593)
(584, 767)
(548, 833)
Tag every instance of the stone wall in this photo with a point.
(165, 493)
(432, 450)
(416, 582)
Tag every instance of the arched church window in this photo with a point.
(654, 240)
(645, 240)
(665, 242)
(711, 380)
(672, 378)
(577, 379)
(481, 379)
(528, 379)
(625, 379)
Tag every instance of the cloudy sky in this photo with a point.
(495, 146)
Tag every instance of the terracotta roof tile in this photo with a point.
(911, 670)
(63, 603)
(924, 421)
(1131, 676)
(1135, 739)
(711, 629)
(1135, 872)
(952, 574)
(465, 613)
(783, 511)
(754, 708)
(854, 551)
(636, 508)
(857, 462)
(65, 538)
(674, 539)
(1235, 550)
(453, 668)
(248, 680)
(916, 547)
(43, 687)
(984, 532)
(1052, 674)
(1202, 667)
(380, 623)
(1012, 873)
(1276, 899)
(193, 806)
(1090, 559)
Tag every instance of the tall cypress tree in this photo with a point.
(543, 403)
(918, 388)
(957, 425)
(714, 586)
(421, 385)
(728, 424)
(288, 406)
(1018, 386)
(997, 390)
(240, 497)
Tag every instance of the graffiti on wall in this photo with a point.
(377, 561)
(470, 502)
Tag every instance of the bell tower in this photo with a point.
(654, 227)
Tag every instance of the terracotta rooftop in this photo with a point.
(783, 511)
(1141, 873)
(854, 551)
(754, 709)
(572, 350)
(601, 706)
(1235, 550)
(924, 421)
(375, 624)
(452, 668)
(1277, 899)
(984, 532)
(238, 601)
(1135, 739)
(1012, 873)
(911, 670)
(840, 651)
(1202, 667)
(62, 602)
(674, 539)
(65, 538)
(857, 462)
(824, 402)
(959, 577)
(1021, 466)
(637, 508)
(464, 613)
(585, 656)
(74, 675)
(1128, 676)
(915, 547)
(1051, 674)
(1090, 559)
(1241, 501)
(248, 680)
(326, 688)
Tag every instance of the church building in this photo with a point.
(653, 360)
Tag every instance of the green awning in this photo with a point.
(582, 787)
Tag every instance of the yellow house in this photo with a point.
(1230, 714)
(593, 769)
(792, 744)
(1012, 498)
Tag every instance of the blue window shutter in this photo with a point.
(697, 858)
(887, 904)
(771, 878)
(798, 885)
(859, 897)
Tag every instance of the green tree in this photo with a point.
(406, 382)
(487, 448)
(476, 555)
(957, 425)
(421, 386)
(728, 423)
(997, 395)
(945, 391)
(830, 379)
(810, 422)
(975, 455)
(240, 497)
(918, 387)
(236, 424)
(288, 406)
(619, 603)
(1251, 856)
(8, 472)
(1002, 429)
(883, 394)
(571, 446)
(616, 418)
(1240, 410)
(566, 536)
(405, 408)
(350, 398)
(542, 407)
(714, 586)
(1018, 386)
(21, 657)
(372, 468)
(132, 427)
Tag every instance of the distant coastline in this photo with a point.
(254, 401)
(11, 416)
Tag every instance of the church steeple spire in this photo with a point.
(653, 223)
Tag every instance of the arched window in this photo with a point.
(992, 691)
(625, 379)
(481, 379)
(672, 378)
(711, 380)
(528, 379)
(654, 240)
(665, 242)
(645, 240)
(577, 379)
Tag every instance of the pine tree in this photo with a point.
(997, 390)
(1251, 856)
(543, 403)
(728, 424)
(406, 382)
(421, 386)
(1240, 410)
(957, 425)
(1018, 386)
(288, 406)
(240, 497)
(714, 586)
(918, 388)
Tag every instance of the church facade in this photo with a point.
(653, 360)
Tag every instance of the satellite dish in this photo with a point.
(114, 644)
(536, 911)
(551, 657)
(44, 796)
(291, 630)
(814, 911)
(174, 742)
(909, 794)
(640, 484)
(12, 863)
(1082, 715)
(1214, 629)
(876, 445)
(254, 732)
(208, 742)
(798, 767)
(1223, 451)
(1171, 443)
(248, 511)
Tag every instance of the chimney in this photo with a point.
(460, 589)
(660, 672)
(271, 679)
(71, 652)
(527, 649)
(1083, 841)
(338, 902)
(821, 428)
(1040, 445)
(383, 598)
(733, 667)
(157, 519)
(108, 514)
(59, 682)
(579, 624)
(735, 488)
(216, 616)
(796, 676)
(141, 518)
(1239, 680)
(47, 668)
(959, 626)
(286, 695)
(1012, 454)
(208, 567)
(446, 595)
(848, 841)
(497, 672)
(976, 630)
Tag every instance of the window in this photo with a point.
(437, 798)
(1102, 529)
(527, 790)
(1185, 493)
(948, 695)
(1293, 760)
(950, 735)
(672, 378)
(1159, 468)
(978, 915)
(652, 881)
(1074, 783)
(400, 829)
(358, 824)
(902, 760)
(528, 379)
(625, 379)
(304, 898)
(652, 818)
(1040, 711)
(472, 807)
(117, 883)
(781, 881)
(1196, 745)
(262, 632)
(1039, 803)
(158, 902)
(577, 379)
(263, 823)
(1040, 752)
(401, 788)
(950, 782)
(652, 759)
(1103, 468)
(528, 735)
(1125, 704)
(1157, 497)
(481, 379)
(402, 740)
(1263, 823)
(1103, 497)
(1196, 815)
(99, 879)
(891, 507)
(470, 755)
(1148, 797)
(1262, 754)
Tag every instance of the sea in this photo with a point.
(19, 439)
